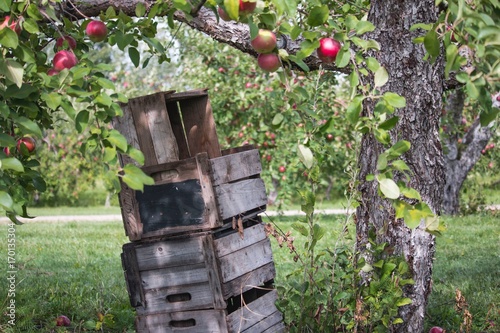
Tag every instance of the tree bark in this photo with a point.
(421, 83)
(460, 157)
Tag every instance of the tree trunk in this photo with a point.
(421, 83)
(460, 157)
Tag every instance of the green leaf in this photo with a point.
(382, 162)
(318, 15)
(388, 268)
(300, 228)
(13, 70)
(31, 26)
(354, 109)
(372, 64)
(53, 99)
(400, 165)
(134, 55)
(472, 90)
(6, 200)
(29, 126)
(395, 100)
(431, 43)
(82, 120)
(343, 57)
(122, 40)
(411, 193)
(403, 301)
(5, 5)
(135, 178)
(232, 8)
(6, 140)
(105, 83)
(389, 188)
(389, 123)
(118, 140)
(103, 99)
(136, 154)
(381, 77)
(318, 232)
(109, 154)
(12, 163)
(140, 9)
(278, 119)
(399, 148)
(306, 156)
(8, 38)
(363, 27)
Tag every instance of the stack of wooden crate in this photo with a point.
(199, 260)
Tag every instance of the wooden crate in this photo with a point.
(200, 194)
(197, 186)
(196, 271)
(256, 313)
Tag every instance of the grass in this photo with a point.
(74, 268)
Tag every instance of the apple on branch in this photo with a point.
(64, 59)
(247, 6)
(96, 30)
(264, 42)
(328, 49)
(26, 145)
(11, 24)
(269, 62)
(65, 42)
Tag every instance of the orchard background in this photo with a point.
(405, 105)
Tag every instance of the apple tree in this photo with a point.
(398, 58)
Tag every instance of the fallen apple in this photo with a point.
(63, 321)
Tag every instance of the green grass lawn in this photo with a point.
(74, 268)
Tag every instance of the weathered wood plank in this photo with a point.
(213, 272)
(249, 280)
(177, 128)
(132, 276)
(174, 276)
(199, 125)
(169, 253)
(232, 167)
(233, 242)
(245, 260)
(130, 212)
(272, 324)
(125, 125)
(178, 298)
(178, 171)
(211, 215)
(252, 313)
(235, 150)
(236, 198)
(204, 321)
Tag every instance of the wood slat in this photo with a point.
(233, 242)
(245, 282)
(271, 324)
(237, 166)
(237, 198)
(204, 321)
(252, 313)
(177, 128)
(174, 276)
(130, 212)
(125, 125)
(245, 260)
(211, 216)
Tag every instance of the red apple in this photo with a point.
(52, 72)
(13, 25)
(328, 49)
(6, 151)
(264, 42)
(282, 169)
(63, 321)
(223, 15)
(270, 62)
(498, 98)
(436, 329)
(64, 59)
(329, 137)
(247, 6)
(27, 142)
(97, 31)
(70, 41)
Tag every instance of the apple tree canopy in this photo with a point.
(397, 57)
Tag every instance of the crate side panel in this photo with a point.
(236, 166)
(278, 328)
(178, 298)
(237, 198)
(178, 128)
(211, 214)
(249, 280)
(245, 260)
(252, 313)
(171, 205)
(125, 125)
(174, 276)
(269, 324)
(153, 129)
(170, 253)
(130, 212)
(233, 242)
(204, 321)
(199, 125)
(132, 277)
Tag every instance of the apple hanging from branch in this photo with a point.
(328, 49)
(264, 42)
(270, 62)
(64, 59)
(96, 30)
